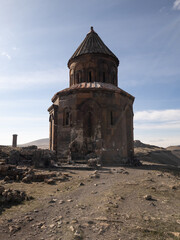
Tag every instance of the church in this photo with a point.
(93, 117)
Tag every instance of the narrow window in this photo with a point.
(99, 76)
(77, 77)
(104, 77)
(113, 78)
(90, 77)
(67, 118)
(80, 77)
(111, 118)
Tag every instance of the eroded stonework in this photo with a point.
(93, 117)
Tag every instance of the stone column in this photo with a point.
(14, 141)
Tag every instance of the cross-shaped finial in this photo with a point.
(92, 30)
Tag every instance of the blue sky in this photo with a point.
(37, 38)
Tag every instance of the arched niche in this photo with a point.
(90, 113)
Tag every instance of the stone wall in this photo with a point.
(100, 121)
(93, 68)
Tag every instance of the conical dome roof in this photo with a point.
(92, 44)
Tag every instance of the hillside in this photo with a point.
(40, 143)
(175, 150)
(157, 155)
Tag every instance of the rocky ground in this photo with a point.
(109, 203)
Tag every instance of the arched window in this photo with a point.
(77, 78)
(104, 77)
(113, 75)
(90, 77)
(111, 118)
(113, 78)
(66, 117)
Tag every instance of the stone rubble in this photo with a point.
(10, 196)
(28, 175)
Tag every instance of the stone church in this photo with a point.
(93, 116)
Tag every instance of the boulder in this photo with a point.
(93, 162)
(28, 178)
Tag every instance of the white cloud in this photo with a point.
(169, 115)
(176, 5)
(6, 55)
(31, 79)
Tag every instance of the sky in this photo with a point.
(37, 38)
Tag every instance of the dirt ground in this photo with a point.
(117, 203)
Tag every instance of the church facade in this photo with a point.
(92, 116)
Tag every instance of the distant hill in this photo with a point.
(139, 144)
(175, 150)
(172, 148)
(155, 154)
(40, 143)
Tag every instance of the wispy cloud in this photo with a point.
(165, 119)
(176, 5)
(168, 115)
(5, 54)
(31, 79)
